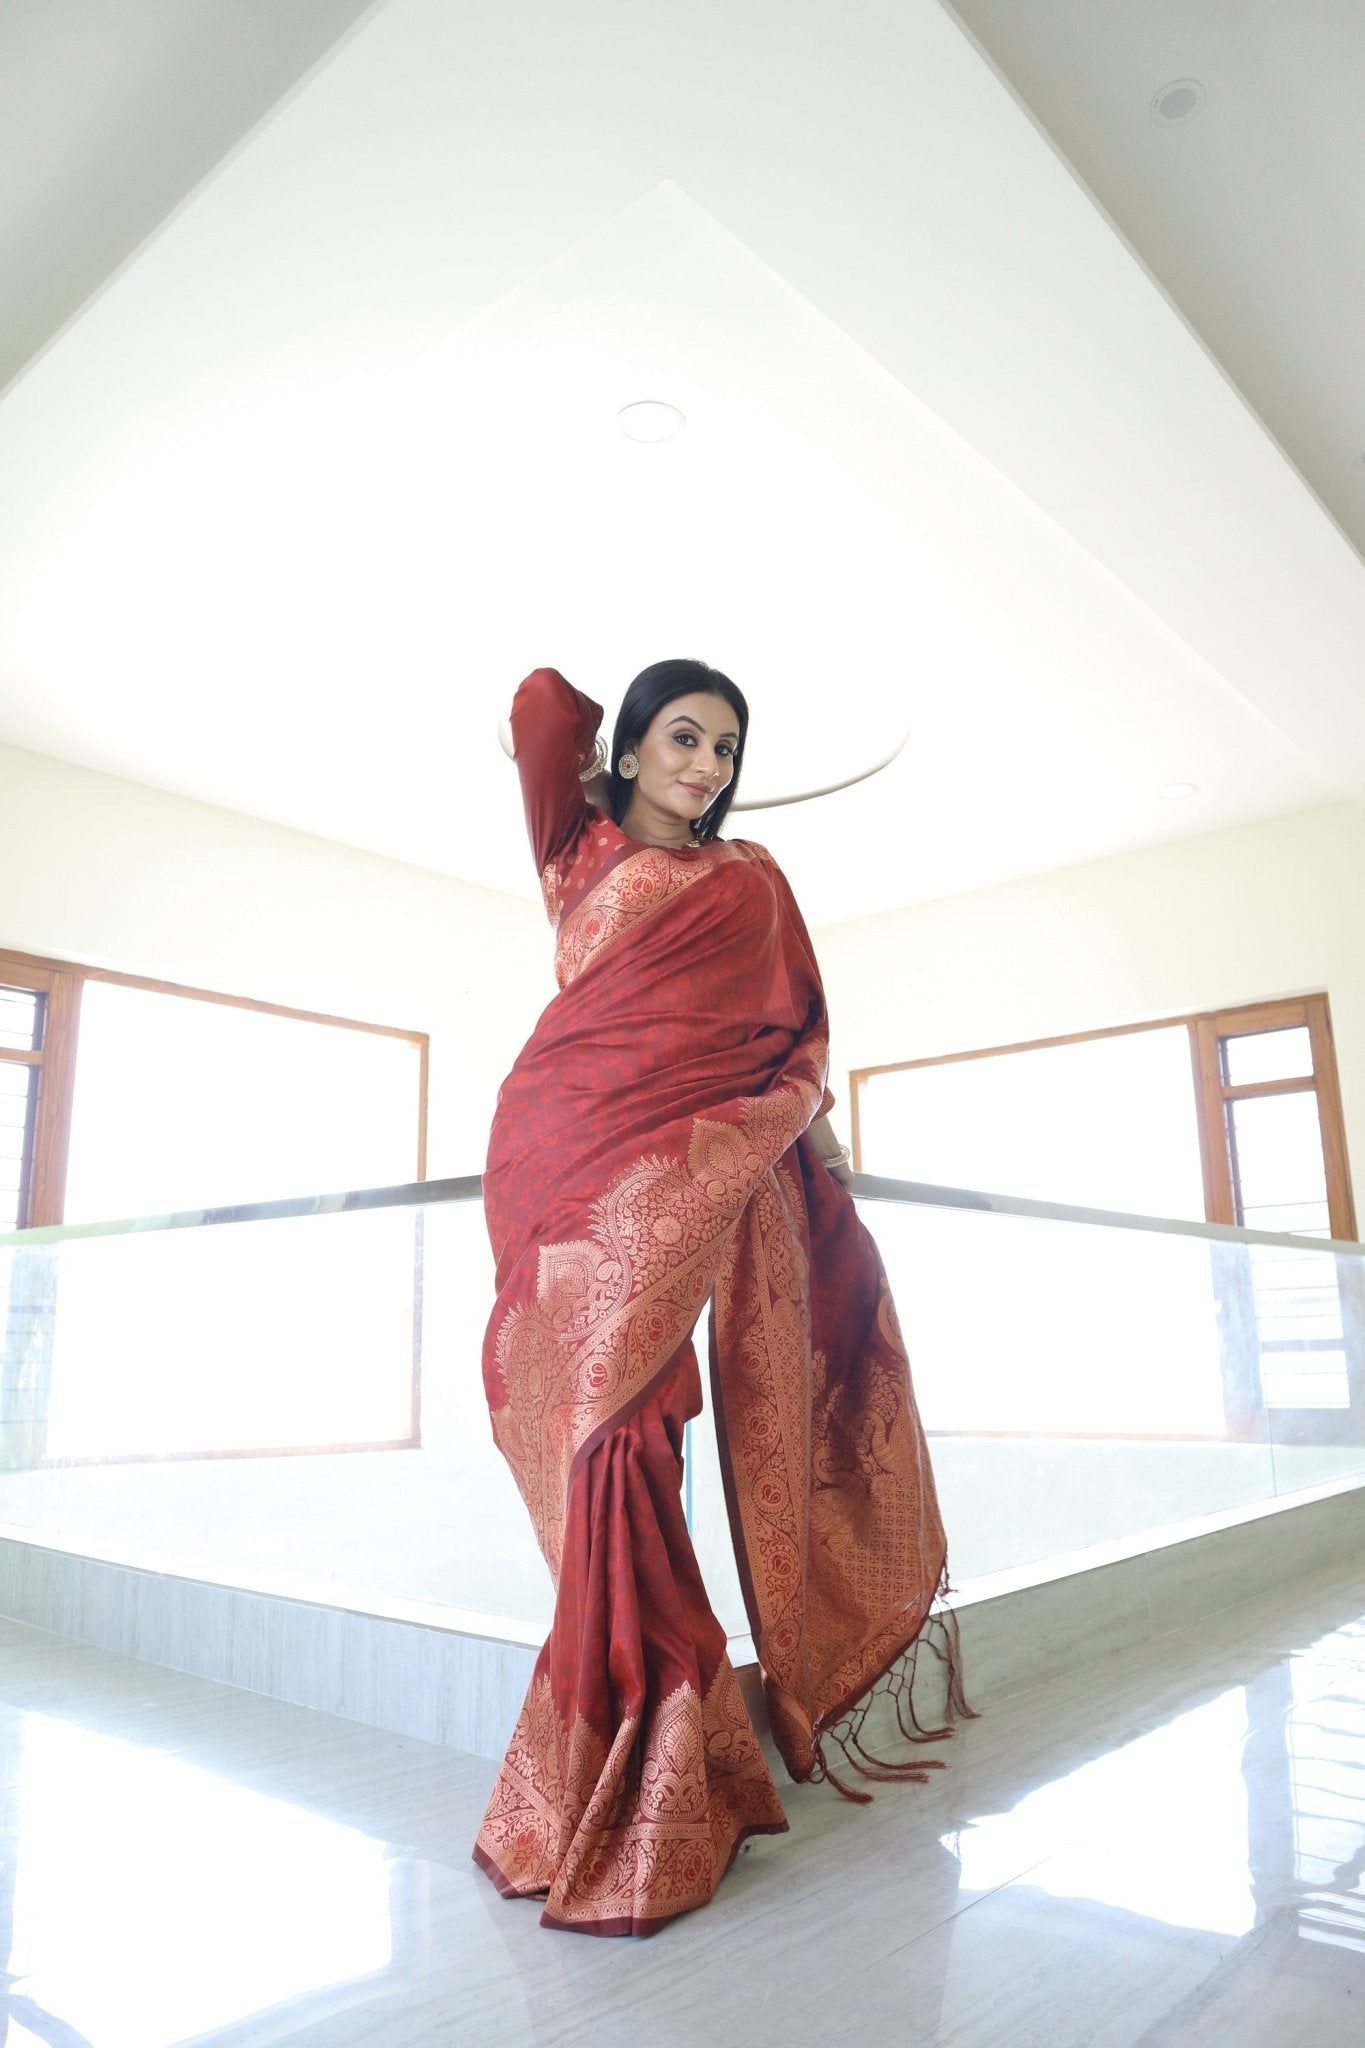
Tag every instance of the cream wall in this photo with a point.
(1266, 910)
(119, 875)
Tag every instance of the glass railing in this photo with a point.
(288, 1395)
(1090, 1378)
(285, 1396)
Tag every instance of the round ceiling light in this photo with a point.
(1359, 460)
(1179, 101)
(650, 419)
(1177, 792)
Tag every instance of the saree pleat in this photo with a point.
(633, 1775)
(647, 1158)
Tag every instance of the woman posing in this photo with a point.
(660, 1143)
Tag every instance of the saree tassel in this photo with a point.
(848, 1791)
(825, 1776)
(881, 1770)
(949, 1654)
(913, 1770)
(899, 1686)
(890, 1766)
(896, 1686)
(957, 1698)
(900, 1700)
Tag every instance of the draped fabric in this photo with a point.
(647, 1157)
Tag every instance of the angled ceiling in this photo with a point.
(332, 458)
(111, 111)
(1246, 207)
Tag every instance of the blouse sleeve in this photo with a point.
(554, 728)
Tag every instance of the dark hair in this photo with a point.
(651, 690)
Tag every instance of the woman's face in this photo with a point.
(686, 758)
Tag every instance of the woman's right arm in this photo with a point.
(554, 730)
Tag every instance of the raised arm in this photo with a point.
(554, 729)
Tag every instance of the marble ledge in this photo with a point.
(417, 1673)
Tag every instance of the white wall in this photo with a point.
(118, 875)
(1263, 911)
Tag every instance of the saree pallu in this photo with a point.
(648, 1157)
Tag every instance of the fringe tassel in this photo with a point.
(825, 1776)
(896, 1685)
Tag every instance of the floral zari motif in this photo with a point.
(613, 1308)
(621, 1840)
(633, 890)
(832, 1500)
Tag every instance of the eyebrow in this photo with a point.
(686, 718)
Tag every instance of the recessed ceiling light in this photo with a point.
(1359, 462)
(1179, 101)
(650, 419)
(1176, 792)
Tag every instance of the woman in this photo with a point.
(660, 1143)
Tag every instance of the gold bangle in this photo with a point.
(598, 764)
(839, 1158)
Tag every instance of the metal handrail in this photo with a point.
(413, 1194)
(867, 1187)
(874, 1187)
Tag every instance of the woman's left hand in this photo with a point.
(833, 1155)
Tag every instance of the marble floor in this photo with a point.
(1165, 1850)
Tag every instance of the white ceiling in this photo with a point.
(1250, 214)
(111, 111)
(332, 459)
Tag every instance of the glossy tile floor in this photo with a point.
(1160, 1850)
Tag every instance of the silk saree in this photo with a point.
(648, 1157)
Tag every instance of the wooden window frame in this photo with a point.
(1215, 1095)
(60, 984)
(1212, 1093)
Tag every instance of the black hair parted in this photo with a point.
(651, 690)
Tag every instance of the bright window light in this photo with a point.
(183, 1103)
(1104, 1123)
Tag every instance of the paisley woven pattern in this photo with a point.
(633, 890)
(611, 1309)
(830, 1486)
(620, 1839)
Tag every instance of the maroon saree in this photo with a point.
(648, 1156)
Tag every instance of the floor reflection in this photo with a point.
(1325, 1751)
(1217, 1821)
(1174, 1845)
(151, 1901)
(1164, 1852)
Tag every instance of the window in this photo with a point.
(20, 1037)
(121, 1097)
(1275, 1147)
(1233, 1117)
(1108, 1123)
(1229, 1117)
(37, 1011)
